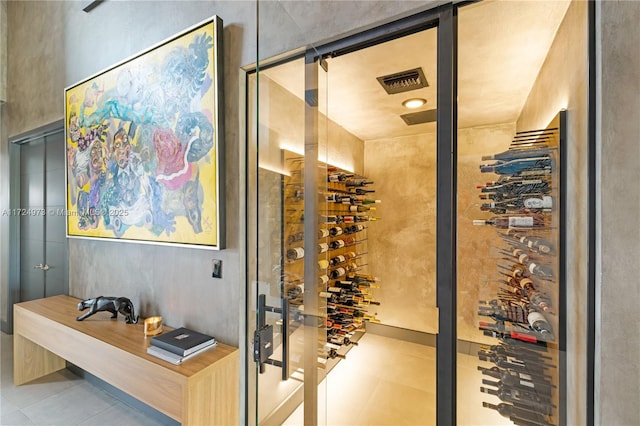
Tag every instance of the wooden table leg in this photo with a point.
(31, 361)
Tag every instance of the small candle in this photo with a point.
(152, 326)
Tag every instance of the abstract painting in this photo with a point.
(144, 145)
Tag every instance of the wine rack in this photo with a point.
(344, 289)
(525, 314)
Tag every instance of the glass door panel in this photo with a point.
(511, 366)
(342, 233)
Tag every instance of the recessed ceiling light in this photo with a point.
(414, 103)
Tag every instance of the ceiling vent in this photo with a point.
(420, 117)
(403, 81)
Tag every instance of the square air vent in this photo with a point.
(403, 81)
(420, 117)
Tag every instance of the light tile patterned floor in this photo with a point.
(383, 381)
(60, 399)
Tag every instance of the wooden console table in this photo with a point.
(204, 390)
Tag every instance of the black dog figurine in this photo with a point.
(109, 304)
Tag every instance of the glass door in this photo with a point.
(286, 311)
(344, 180)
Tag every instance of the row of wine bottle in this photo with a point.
(522, 202)
(296, 253)
(347, 293)
(523, 386)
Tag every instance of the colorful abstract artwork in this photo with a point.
(143, 144)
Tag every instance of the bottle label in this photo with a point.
(545, 202)
(323, 247)
(324, 279)
(521, 222)
(532, 267)
(323, 233)
(528, 384)
(296, 253)
(535, 316)
(335, 231)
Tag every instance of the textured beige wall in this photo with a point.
(563, 83)
(402, 245)
(618, 334)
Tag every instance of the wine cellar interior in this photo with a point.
(375, 309)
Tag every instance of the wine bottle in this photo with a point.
(533, 243)
(512, 312)
(361, 208)
(515, 378)
(323, 263)
(337, 260)
(336, 244)
(539, 323)
(519, 392)
(357, 182)
(512, 397)
(361, 191)
(295, 292)
(323, 233)
(498, 330)
(511, 222)
(323, 247)
(295, 253)
(540, 301)
(298, 236)
(334, 231)
(352, 229)
(519, 352)
(334, 197)
(515, 166)
(337, 273)
(512, 154)
(517, 414)
(525, 186)
(339, 177)
(545, 203)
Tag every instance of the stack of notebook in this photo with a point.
(179, 345)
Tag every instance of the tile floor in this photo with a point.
(60, 399)
(366, 388)
(384, 381)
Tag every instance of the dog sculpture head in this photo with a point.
(126, 308)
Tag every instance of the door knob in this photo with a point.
(44, 267)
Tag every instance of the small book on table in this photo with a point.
(182, 341)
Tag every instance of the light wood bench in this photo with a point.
(204, 390)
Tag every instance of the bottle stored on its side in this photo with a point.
(357, 182)
(512, 154)
(510, 397)
(334, 231)
(516, 415)
(539, 323)
(513, 222)
(295, 253)
(516, 166)
(339, 177)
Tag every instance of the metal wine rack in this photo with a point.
(526, 315)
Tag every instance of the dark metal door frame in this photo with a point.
(445, 19)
